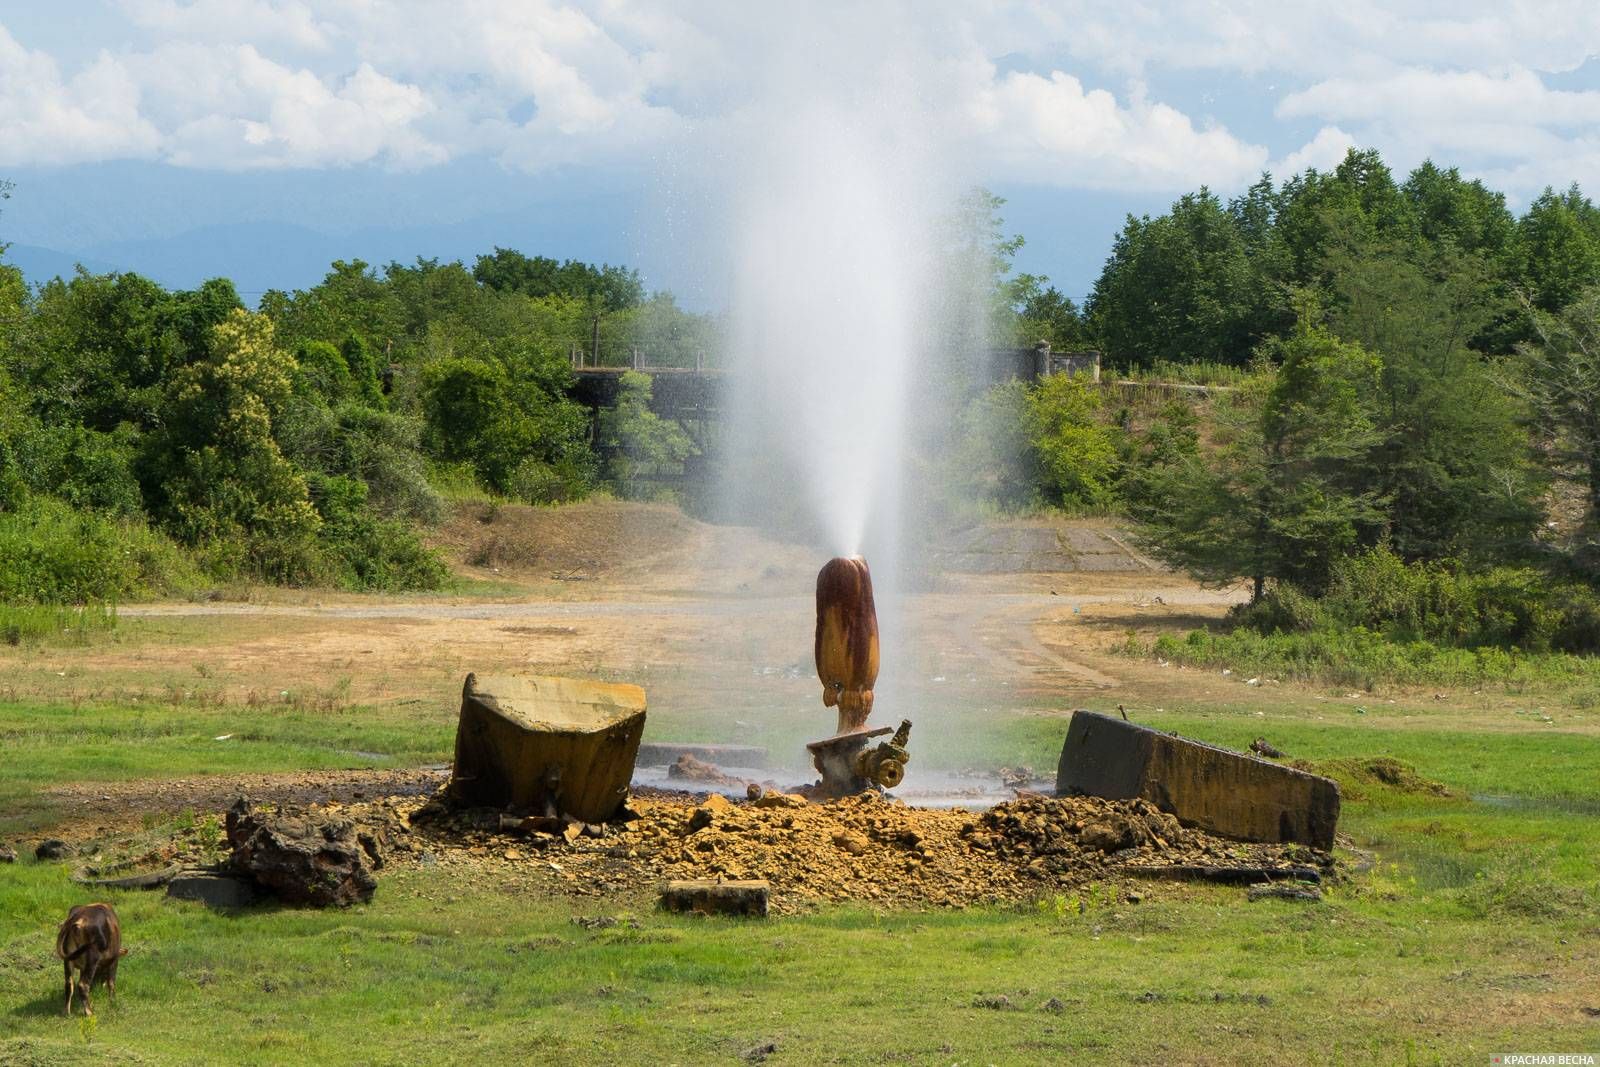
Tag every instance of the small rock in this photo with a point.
(774, 799)
(851, 841)
(1284, 891)
(1053, 1006)
(996, 1002)
(760, 1052)
(511, 854)
(52, 849)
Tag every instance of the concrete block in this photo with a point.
(547, 746)
(212, 890)
(666, 753)
(1216, 789)
(706, 896)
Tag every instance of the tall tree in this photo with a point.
(1561, 379)
(214, 469)
(1559, 238)
(1281, 493)
(1454, 465)
(1178, 288)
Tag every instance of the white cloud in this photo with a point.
(1324, 152)
(1510, 97)
(288, 22)
(1054, 129)
(1050, 92)
(93, 115)
(1505, 125)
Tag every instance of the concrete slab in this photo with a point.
(212, 890)
(1216, 789)
(666, 753)
(709, 897)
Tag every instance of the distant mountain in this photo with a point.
(41, 264)
(259, 256)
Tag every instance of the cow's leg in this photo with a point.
(91, 964)
(66, 967)
(111, 978)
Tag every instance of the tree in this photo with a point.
(98, 349)
(1453, 466)
(1282, 493)
(1465, 215)
(1179, 288)
(350, 301)
(1559, 238)
(1561, 380)
(643, 446)
(612, 288)
(1046, 314)
(214, 471)
(472, 418)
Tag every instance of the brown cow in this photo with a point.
(847, 639)
(90, 941)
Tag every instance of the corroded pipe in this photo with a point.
(847, 639)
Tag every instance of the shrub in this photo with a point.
(1076, 452)
(1440, 602)
(369, 552)
(52, 554)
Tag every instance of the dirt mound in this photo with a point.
(571, 542)
(861, 848)
(653, 546)
(1358, 776)
(865, 848)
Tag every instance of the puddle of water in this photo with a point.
(925, 789)
(1516, 802)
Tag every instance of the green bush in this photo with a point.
(1359, 658)
(86, 468)
(53, 554)
(1077, 453)
(1440, 602)
(368, 552)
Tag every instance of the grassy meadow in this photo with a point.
(1473, 928)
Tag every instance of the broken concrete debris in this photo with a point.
(1212, 788)
(706, 896)
(547, 746)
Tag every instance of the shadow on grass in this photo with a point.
(48, 1004)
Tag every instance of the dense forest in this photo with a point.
(1394, 384)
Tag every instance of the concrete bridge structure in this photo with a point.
(693, 394)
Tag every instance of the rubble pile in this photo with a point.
(866, 848)
(863, 848)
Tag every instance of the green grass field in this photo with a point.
(1476, 931)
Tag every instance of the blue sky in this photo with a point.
(261, 138)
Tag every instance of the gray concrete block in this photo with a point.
(1216, 789)
(665, 753)
(212, 890)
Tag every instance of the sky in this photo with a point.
(261, 139)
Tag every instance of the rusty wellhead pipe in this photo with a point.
(847, 639)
